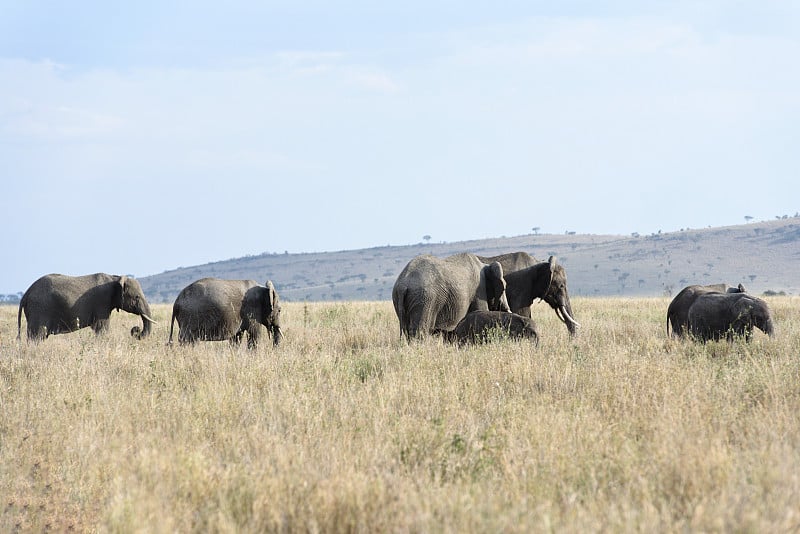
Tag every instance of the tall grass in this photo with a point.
(346, 428)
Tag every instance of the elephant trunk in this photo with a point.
(566, 317)
(572, 324)
(147, 324)
(277, 335)
(769, 328)
(563, 310)
(503, 304)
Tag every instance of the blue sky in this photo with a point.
(141, 138)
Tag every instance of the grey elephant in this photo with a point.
(678, 310)
(477, 326)
(212, 309)
(528, 279)
(434, 293)
(717, 315)
(58, 304)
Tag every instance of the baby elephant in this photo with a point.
(212, 309)
(476, 326)
(724, 315)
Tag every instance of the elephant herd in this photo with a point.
(463, 298)
(440, 295)
(209, 309)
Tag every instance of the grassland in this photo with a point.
(344, 428)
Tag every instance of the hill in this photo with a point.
(763, 256)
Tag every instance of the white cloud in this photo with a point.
(62, 122)
(374, 81)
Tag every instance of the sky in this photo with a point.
(144, 136)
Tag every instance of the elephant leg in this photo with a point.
(100, 326)
(748, 334)
(236, 338)
(186, 336)
(37, 332)
(252, 341)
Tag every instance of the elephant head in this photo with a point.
(130, 298)
(557, 295)
(738, 289)
(546, 281)
(749, 312)
(272, 309)
(261, 305)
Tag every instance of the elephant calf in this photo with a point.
(211, 309)
(477, 326)
(717, 315)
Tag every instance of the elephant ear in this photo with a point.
(272, 300)
(743, 308)
(495, 285)
(274, 313)
(544, 277)
(119, 292)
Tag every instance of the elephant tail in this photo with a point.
(400, 309)
(22, 302)
(171, 326)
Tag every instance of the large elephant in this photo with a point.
(57, 304)
(717, 315)
(477, 325)
(678, 310)
(434, 294)
(528, 279)
(211, 309)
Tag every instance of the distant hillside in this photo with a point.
(763, 256)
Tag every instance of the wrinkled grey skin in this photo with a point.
(58, 304)
(211, 309)
(717, 315)
(678, 310)
(436, 293)
(476, 326)
(528, 279)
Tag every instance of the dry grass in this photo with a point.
(345, 428)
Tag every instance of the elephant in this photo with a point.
(476, 326)
(433, 293)
(714, 315)
(58, 304)
(678, 310)
(528, 279)
(211, 309)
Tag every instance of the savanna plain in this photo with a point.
(346, 428)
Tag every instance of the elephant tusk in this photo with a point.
(560, 315)
(145, 316)
(569, 317)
